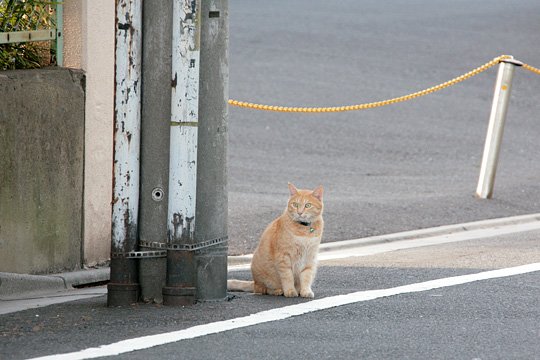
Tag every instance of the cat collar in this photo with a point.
(311, 229)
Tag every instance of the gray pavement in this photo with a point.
(496, 318)
(403, 167)
(21, 291)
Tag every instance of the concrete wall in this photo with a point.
(89, 30)
(41, 170)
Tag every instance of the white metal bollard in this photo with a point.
(501, 97)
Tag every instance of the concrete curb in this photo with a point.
(430, 232)
(84, 277)
(17, 285)
(408, 235)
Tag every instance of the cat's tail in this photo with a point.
(240, 285)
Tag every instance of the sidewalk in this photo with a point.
(19, 292)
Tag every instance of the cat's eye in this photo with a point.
(308, 205)
(295, 204)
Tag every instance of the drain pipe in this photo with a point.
(180, 286)
(123, 286)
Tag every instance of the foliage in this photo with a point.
(24, 15)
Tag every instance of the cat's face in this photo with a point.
(305, 205)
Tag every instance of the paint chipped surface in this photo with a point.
(184, 110)
(127, 122)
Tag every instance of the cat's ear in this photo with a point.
(318, 192)
(293, 190)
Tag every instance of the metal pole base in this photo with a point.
(212, 273)
(122, 294)
(180, 289)
(179, 296)
(152, 272)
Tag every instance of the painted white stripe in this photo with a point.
(146, 342)
(429, 241)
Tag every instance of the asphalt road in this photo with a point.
(402, 167)
(406, 166)
(490, 318)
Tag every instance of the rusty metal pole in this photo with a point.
(123, 287)
(180, 286)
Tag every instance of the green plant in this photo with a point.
(26, 15)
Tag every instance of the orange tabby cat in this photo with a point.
(285, 262)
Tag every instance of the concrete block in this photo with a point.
(41, 170)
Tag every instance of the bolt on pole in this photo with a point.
(123, 286)
(497, 118)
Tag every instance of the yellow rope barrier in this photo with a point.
(530, 68)
(372, 105)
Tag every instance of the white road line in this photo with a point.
(429, 241)
(146, 342)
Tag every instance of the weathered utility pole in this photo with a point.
(123, 286)
(180, 284)
(155, 132)
(182, 140)
(212, 199)
(197, 255)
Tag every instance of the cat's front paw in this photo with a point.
(307, 293)
(276, 292)
(291, 293)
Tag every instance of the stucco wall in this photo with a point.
(41, 170)
(89, 30)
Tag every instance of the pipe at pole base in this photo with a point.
(211, 265)
(180, 289)
(122, 290)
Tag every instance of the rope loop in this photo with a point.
(377, 104)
